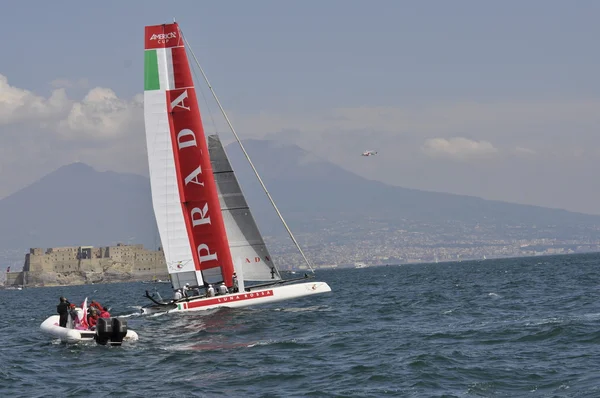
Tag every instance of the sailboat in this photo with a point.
(209, 237)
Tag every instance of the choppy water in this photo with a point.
(506, 328)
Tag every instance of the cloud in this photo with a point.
(19, 105)
(98, 116)
(101, 115)
(550, 128)
(458, 148)
(555, 138)
(39, 134)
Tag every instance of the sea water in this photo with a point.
(527, 327)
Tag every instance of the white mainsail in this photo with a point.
(248, 250)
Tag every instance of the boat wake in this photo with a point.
(211, 346)
(314, 308)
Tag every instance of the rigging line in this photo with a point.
(289, 231)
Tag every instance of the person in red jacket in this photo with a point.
(104, 313)
(93, 319)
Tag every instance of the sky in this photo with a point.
(498, 100)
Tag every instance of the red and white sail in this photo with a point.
(184, 193)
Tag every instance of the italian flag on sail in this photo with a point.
(160, 65)
(156, 78)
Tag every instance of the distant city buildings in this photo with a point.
(342, 244)
(335, 245)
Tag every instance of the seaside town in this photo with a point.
(339, 246)
(375, 244)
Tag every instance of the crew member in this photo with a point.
(104, 313)
(211, 291)
(93, 319)
(235, 283)
(63, 311)
(77, 323)
(177, 295)
(223, 289)
(73, 315)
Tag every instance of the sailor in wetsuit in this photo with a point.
(63, 311)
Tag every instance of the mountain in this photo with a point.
(302, 184)
(77, 205)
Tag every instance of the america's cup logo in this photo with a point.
(164, 37)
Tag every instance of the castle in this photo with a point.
(86, 264)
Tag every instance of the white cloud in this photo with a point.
(458, 148)
(19, 105)
(98, 116)
(558, 139)
(101, 115)
(39, 134)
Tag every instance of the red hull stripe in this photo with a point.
(229, 298)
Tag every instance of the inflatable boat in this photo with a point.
(109, 331)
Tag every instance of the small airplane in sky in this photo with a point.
(369, 153)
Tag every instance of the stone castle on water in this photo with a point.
(86, 264)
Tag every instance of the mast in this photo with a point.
(262, 184)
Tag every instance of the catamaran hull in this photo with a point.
(66, 335)
(245, 299)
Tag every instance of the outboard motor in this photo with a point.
(111, 331)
